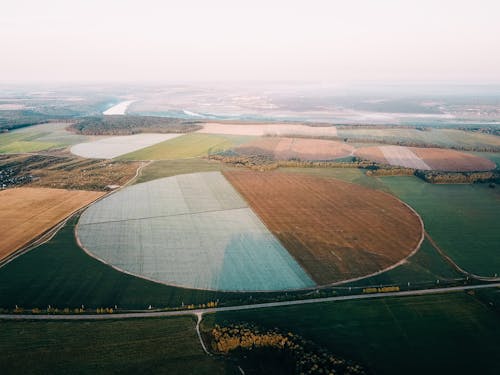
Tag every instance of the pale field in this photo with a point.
(191, 230)
(109, 148)
(28, 212)
(119, 109)
(269, 129)
(426, 158)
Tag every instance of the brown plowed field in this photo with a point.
(452, 161)
(28, 212)
(334, 229)
(371, 153)
(297, 148)
(438, 159)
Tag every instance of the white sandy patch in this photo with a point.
(269, 129)
(119, 109)
(403, 156)
(109, 148)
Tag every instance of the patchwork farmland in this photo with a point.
(425, 158)
(282, 130)
(29, 212)
(112, 147)
(335, 230)
(192, 231)
(296, 148)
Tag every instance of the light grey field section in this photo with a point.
(190, 230)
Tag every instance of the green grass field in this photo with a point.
(139, 346)
(462, 219)
(441, 334)
(167, 168)
(24, 142)
(188, 146)
(422, 270)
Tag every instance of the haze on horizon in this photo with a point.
(224, 40)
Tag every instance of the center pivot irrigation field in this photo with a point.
(29, 212)
(296, 148)
(426, 158)
(112, 147)
(190, 230)
(334, 229)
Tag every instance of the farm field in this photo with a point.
(447, 138)
(167, 168)
(64, 171)
(426, 158)
(106, 347)
(191, 230)
(441, 334)
(335, 230)
(39, 138)
(260, 129)
(119, 109)
(462, 219)
(28, 212)
(296, 148)
(188, 146)
(59, 273)
(112, 147)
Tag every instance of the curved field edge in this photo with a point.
(461, 219)
(326, 227)
(191, 231)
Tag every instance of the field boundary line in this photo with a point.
(214, 310)
(448, 259)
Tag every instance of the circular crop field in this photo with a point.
(191, 230)
(335, 230)
(437, 159)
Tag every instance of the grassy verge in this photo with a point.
(442, 334)
(103, 347)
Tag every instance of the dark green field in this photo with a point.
(139, 346)
(462, 219)
(441, 334)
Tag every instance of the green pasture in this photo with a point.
(138, 346)
(167, 168)
(188, 146)
(462, 219)
(438, 334)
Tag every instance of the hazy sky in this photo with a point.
(220, 40)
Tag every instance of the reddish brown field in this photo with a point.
(371, 153)
(452, 161)
(29, 212)
(437, 159)
(297, 148)
(334, 229)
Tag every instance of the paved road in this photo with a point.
(200, 312)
